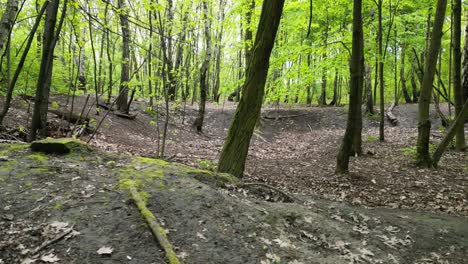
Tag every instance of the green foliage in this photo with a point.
(206, 165)
(372, 139)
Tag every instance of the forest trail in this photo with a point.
(45, 196)
(297, 153)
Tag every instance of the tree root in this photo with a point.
(155, 227)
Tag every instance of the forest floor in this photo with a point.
(294, 150)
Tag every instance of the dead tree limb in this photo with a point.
(155, 227)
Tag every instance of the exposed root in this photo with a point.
(155, 227)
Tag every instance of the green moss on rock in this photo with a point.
(59, 146)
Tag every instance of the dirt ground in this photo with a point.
(71, 209)
(297, 152)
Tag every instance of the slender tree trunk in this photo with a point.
(459, 122)
(6, 23)
(368, 83)
(351, 139)
(12, 83)
(424, 123)
(323, 94)
(218, 47)
(204, 70)
(465, 66)
(381, 75)
(93, 50)
(41, 103)
(234, 153)
(404, 89)
(122, 99)
(335, 89)
(460, 143)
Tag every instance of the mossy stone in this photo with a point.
(59, 146)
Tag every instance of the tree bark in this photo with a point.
(50, 37)
(404, 89)
(424, 123)
(368, 80)
(12, 84)
(122, 104)
(6, 23)
(234, 153)
(459, 122)
(351, 143)
(457, 78)
(204, 70)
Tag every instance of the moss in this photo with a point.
(8, 149)
(37, 157)
(60, 146)
(58, 206)
(42, 171)
(150, 161)
(7, 166)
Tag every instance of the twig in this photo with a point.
(50, 242)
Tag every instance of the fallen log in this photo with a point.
(155, 227)
(70, 117)
(125, 115)
(390, 116)
(282, 117)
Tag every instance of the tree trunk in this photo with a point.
(457, 78)
(381, 75)
(404, 89)
(122, 99)
(234, 153)
(459, 122)
(465, 67)
(351, 143)
(12, 84)
(219, 39)
(424, 123)
(6, 23)
(368, 83)
(323, 94)
(335, 89)
(204, 71)
(41, 103)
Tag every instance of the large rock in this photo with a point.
(59, 146)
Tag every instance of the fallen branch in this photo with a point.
(50, 242)
(287, 196)
(69, 116)
(390, 116)
(155, 227)
(282, 117)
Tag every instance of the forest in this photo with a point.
(233, 131)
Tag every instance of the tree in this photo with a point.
(50, 37)
(234, 153)
(352, 139)
(6, 23)
(457, 78)
(122, 104)
(11, 85)
(204, 70)
(424, 123)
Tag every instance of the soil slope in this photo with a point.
(208, 220)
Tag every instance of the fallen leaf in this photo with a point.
(105, 251)
(51, 258)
